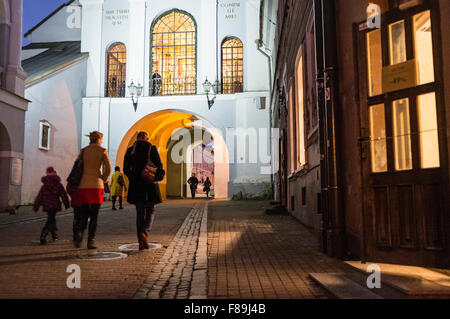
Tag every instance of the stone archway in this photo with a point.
(161, 127)
(5, 163)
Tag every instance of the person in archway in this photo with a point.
(193, 183)
(117, 187)
(142, 193)
(207, 187)
(89, 194)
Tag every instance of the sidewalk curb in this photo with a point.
(199, 285)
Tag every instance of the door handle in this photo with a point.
(364, 143)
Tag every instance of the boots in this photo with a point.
(77, 239)
(43, 238)
(91, 245)
(145, 241)
(55, 235)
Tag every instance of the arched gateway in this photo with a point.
(176, 134)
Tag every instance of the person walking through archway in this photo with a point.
(193, 184)
(96, 170)
(117, 187)
(207, 187)
(141, 161)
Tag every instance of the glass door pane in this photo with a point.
(423, 46)
(374, 62)
(397, 42)
(428, 130)
(402, 135)
(378, 139)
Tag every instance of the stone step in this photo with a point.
(404, 281)
(342, 287)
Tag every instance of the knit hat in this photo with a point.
(50, 170)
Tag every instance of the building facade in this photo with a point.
(168, 48)
(373, 79)
(13, 105)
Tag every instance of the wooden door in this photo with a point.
(403, 144)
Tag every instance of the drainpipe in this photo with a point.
(320, 93)
(335, 218)
(217, 41)
(264, 50)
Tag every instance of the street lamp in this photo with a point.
(207, 86)
(135, 90)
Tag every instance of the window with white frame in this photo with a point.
(44, 135)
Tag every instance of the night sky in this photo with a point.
(36, 10)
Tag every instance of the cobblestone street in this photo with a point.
(215, 249)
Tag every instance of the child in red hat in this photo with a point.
(49, 198)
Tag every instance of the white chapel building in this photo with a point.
(84, 56)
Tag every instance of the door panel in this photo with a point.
(382, 222)
(406, 217)
(433, 219)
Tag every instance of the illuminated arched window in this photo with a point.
(174, 56)
(232, 66)
(116, 70)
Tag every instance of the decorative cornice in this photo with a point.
(11, 154)
(13, 100)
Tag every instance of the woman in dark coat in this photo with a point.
(142, 194)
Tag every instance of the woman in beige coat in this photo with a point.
(96, 170)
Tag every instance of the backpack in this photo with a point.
(120, 180)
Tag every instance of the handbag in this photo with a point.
(77, 171)
(151, 174)
(106, 188)
(148, 174)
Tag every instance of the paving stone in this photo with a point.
(253, 255)
(28, 270)
(175, 276)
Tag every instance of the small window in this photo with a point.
(374, 62)
(428, 131)
(423, 46)
(303, 196)
(44, 135)
(402, 135)
(116, 70)
(232, 66)
(378, 144)
(397, 42)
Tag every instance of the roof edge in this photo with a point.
(38, 78)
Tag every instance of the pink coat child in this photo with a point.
(49, 197)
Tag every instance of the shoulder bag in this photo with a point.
(77, 171)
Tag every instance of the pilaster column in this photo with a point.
(15, 76)
(136, 46)
(206, 44)
(91, 42)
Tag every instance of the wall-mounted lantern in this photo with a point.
(135, 90)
